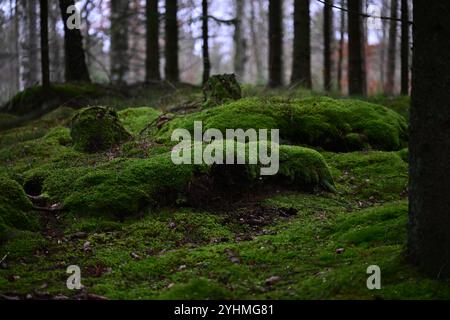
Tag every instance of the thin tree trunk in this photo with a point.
(33, 42)
(301, 60)
(205, 37)
(275, 43)
(152, 45)
(239, 41)
(405, 49)
(355, 60)
(392, 50)
(45, 64)
(341, 48)
(56, 56)
(171, 49)
(74, 61)
(15, 36)
(429, 189)
(119, 41)
(327, 42)
(256, 45)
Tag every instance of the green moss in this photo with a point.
(400, 104)
(304, 168)
(318, 122)
(36, 100)
(197, 289)
(404, 154)
(123, 187)
(220, 89)
(374, 176)
(14, 207)
(97, 129)
(136, 119)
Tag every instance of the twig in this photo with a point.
(364, 15)
(3, 259)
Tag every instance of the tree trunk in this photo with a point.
(327, 43)
(275, 43)
(256, 45)
(405, 49)
(33, 47)
(205, 37)
(382, 66)
(56, 54)
(171, 49)
(392, 50)
(301, 60)
(119, 41)
(28, 58)
(355, 42)
(45, 64)
(429, 189)
(74, 61)
(152, 45)
(16, 35)
(341, 48)
(239, 41)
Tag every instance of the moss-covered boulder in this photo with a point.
(335, 125)
(35, 101)
(123, 187)
(14, 207)
(96, 129)
(220, 89)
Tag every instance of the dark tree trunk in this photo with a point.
(301, 60)
(45, 64)
(392, 50)
(171, 49)
(205, 37)
(405, 49)
(429, 190)
(119, 41)
(75, 61)
(152, 45)
(341, 48)
(239, 41)
(327, 43)
(355, 42)
(275, 43)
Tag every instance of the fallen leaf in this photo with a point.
(273, 280)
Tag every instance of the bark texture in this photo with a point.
(301, 65)
(429, 189)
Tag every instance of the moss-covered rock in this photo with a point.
(37, 101)
(14, 207)
(96, 129)
(220, 89)
(123, 187)
(335, 125)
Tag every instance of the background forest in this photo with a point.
(114, 40)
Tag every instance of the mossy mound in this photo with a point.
(400, 104)
(136, 119)
(220, 89)
(123, 187)
(37, 101)
(97, 128)
(14, 207)
(335, 125)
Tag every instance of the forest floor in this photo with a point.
(278, 243)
